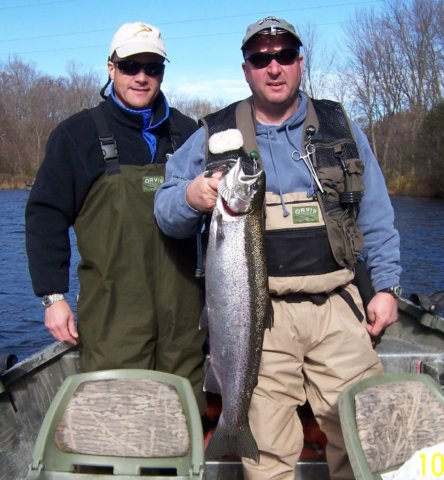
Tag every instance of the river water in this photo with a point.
(420, 223)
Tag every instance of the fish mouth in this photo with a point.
(236, 200)
(236, 191)
(235, 213)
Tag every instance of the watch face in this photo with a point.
(46, 300)
(397, 290)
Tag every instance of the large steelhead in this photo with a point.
(238, 307)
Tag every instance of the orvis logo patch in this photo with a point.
(305, 214)
(151, 184)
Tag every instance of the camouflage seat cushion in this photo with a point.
(394, 420)
(124, 418)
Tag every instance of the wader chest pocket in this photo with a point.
(299, 252)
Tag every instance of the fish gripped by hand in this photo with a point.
(238, 306)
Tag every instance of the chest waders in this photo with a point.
(139, 303)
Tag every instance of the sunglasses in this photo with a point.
(286, 56)
(130, 67)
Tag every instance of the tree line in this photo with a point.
(389, 75)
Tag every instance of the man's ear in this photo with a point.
(301, 64)
(244, 68)
(111, 69)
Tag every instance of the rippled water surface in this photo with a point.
(21, 314)
(420, 223)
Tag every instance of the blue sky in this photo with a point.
(202, 37)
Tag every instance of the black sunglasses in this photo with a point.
(286, 56)
(130, 67)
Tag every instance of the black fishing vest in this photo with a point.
(340, 171)
(337, 165)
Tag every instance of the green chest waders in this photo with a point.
(139, 304)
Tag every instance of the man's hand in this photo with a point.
(202, 192)
(60, 322)
(382, 311)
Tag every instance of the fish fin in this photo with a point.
(203, 320)
(242, 444)
(211, 384)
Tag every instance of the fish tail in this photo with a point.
(241, 444)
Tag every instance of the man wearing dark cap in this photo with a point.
(139, 303)
(326, 206)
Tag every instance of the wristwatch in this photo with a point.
(394, 290)
(48, 300)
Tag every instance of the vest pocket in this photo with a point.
(335, 183)
(346, 239)
(345, 236)
(299, 252)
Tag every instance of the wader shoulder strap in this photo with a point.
(239, 115)
(107, 141)
(203, 123)
(246, 123)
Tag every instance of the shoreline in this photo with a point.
(16, 182)
(25, 183)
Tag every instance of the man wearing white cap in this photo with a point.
(139, 303)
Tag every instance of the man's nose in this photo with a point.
(141, 76)
(274, 67)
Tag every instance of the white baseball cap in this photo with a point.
(138, 37)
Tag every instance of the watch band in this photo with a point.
(48, 300)
(394, 290)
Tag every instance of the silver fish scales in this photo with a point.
(238, 307)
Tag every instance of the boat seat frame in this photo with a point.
(393, 425)
(49, 462)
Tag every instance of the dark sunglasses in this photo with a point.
(286, 56)
(130, 67)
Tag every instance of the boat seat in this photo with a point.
(121, 424)
(387, 418)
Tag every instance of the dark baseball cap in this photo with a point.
(270, 26)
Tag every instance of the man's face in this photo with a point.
(136, 91)
(274, 86)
